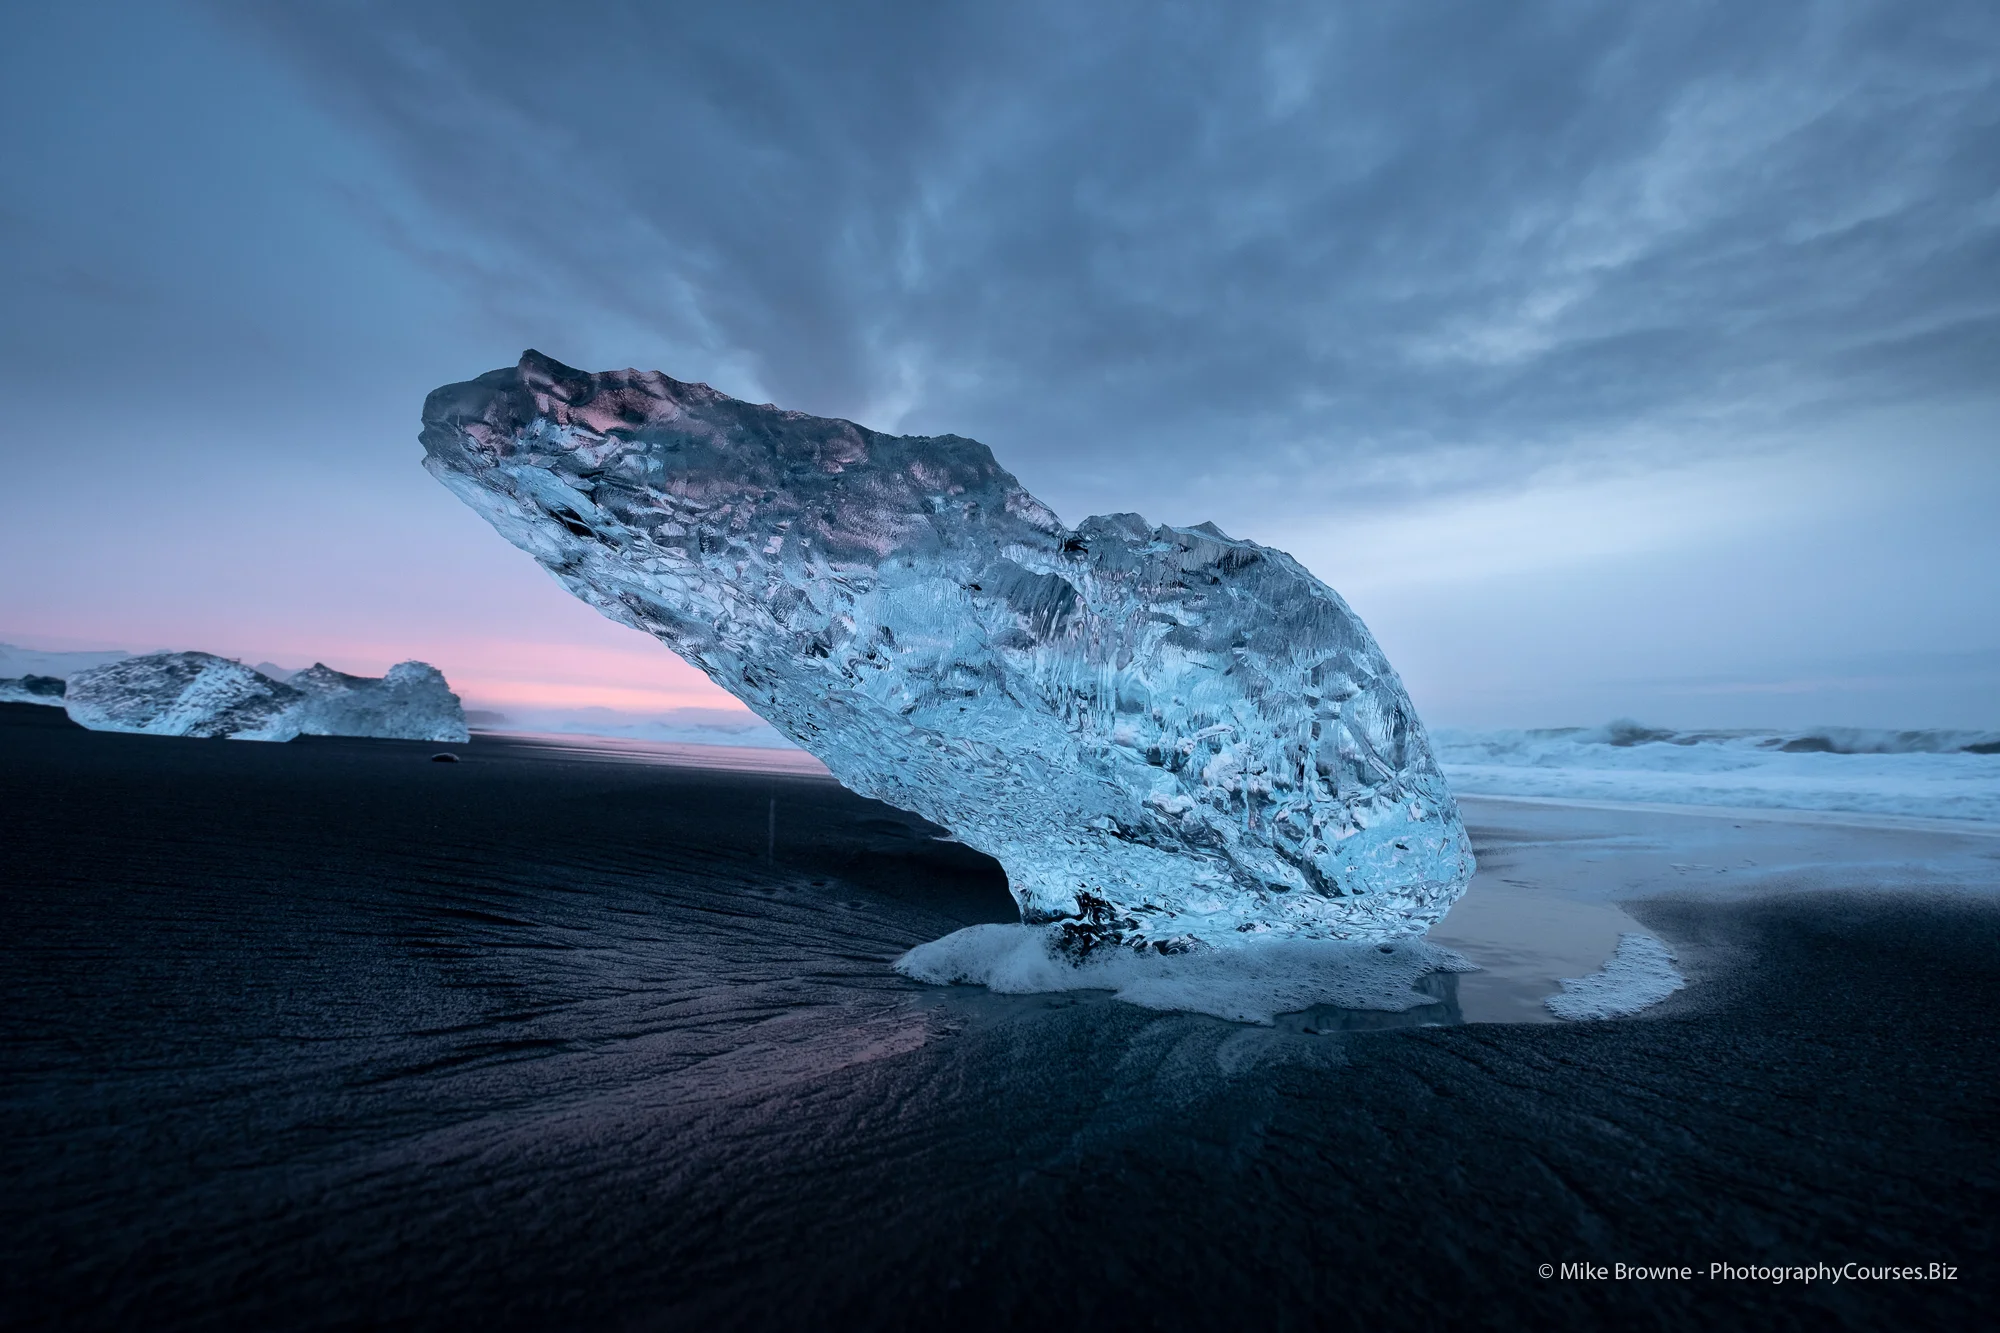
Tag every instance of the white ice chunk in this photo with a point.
(1639, 975)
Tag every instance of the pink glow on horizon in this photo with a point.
(502, 673)
(627, 673)
(322, 569)
(482, 690)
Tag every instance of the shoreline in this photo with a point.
(792, 761)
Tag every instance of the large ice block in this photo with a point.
(1166, 735)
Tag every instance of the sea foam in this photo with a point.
(1638, 976)
(1249, 983)
(1931, 774)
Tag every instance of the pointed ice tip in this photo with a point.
(544, 374)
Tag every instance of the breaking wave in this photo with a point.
(1938, 774)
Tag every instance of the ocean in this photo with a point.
(1926, 774)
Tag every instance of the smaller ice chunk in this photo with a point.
(202, 695)
(1639, 975)
(1252, 982)
(412, 702)
(32, 689)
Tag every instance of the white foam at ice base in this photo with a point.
(1917, 774)
(1638, 976)
(1249, 983)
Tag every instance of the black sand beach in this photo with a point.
(327, 1035)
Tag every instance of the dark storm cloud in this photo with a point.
(1447, 242)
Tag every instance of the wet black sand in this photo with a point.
(328, 1035)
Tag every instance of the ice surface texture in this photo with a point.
(200, 694)
(183, 694)
(1164, 734)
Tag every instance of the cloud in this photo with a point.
(1399, 249)
(1573, 341)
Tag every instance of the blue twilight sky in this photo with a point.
(1611, 359)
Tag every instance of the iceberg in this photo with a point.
(1168, 737)
(202, 695)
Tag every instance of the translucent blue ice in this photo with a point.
(1167, 736)
(411, 702)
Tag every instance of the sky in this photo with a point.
(1610, 360)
